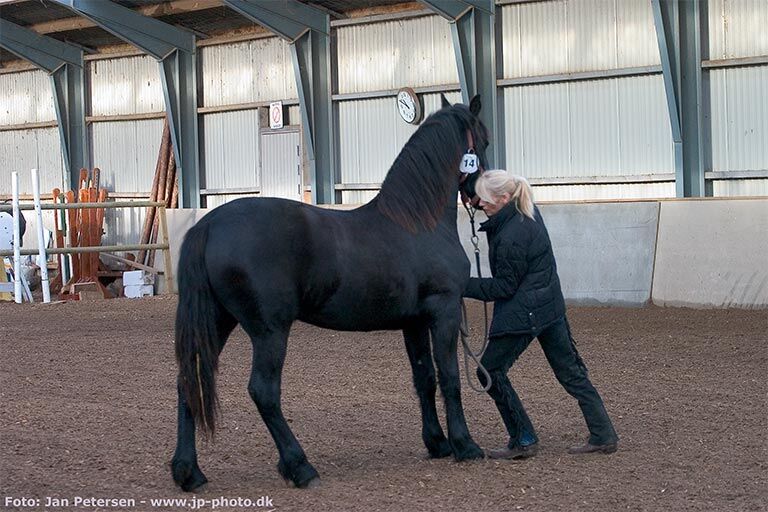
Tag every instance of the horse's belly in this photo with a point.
(350, 324)
(362, 312)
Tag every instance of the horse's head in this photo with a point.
(447, 149)
(473, 161)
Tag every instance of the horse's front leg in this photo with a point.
(445, 333)
(420, 356)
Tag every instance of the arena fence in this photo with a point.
(703, 253)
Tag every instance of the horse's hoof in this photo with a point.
(440, 449)
(311, 484)
(187, 475)
(304, 476)
(469, 451)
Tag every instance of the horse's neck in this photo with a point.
(451, 212)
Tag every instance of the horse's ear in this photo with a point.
(475, 105)
(444, 101)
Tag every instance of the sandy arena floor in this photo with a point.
(88, 409)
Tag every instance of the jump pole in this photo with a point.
(16, 238)
(41, 238)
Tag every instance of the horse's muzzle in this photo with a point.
(474, 202)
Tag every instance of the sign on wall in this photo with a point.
(276, 115)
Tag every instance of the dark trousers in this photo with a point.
(569, 369)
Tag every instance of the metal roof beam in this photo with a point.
(44, 52)
(152, 36)
(152, 10)
(64, 64)
(473, 29)
(289, 19)
(307, 29)
(175, 50)
(449, 9)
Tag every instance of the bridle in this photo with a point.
(471, 162)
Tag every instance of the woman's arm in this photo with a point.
(512, 265)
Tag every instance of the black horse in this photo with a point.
(394, 263)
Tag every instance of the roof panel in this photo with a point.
(132, 4)
(91, 37)
(215, 20)
(341, 6)
(31, 12)
(209, 21)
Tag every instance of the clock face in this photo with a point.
(408, 106)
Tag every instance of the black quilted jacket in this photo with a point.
(525, 288)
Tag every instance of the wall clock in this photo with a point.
(409, 105)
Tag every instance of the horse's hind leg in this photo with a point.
(186, 472)
(420, 355)
(264, 388)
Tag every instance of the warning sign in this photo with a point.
(276, 115)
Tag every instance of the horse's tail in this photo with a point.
(197, 347)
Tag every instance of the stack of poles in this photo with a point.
(165, 189)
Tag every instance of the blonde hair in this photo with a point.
(491, 185)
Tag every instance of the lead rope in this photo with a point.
(464, 325)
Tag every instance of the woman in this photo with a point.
(528, 304)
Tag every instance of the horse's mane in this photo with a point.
(424, 176)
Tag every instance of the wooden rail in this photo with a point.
(165, 246)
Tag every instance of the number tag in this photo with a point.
(468, 164)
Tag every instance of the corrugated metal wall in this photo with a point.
(549, 38)
(739, 122)
(371, 134)
(412, 52)
(602, 127)
(213, 201)
(732, 188)
(612, 191)
(126, 86)
(737, 28)
(294, 115)
(123, 226)
(27, 97)
(125, 151)
(23, 150)
(738, 97)
(230, 143)
(248, 72)
(608, 127)
(252, 71)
